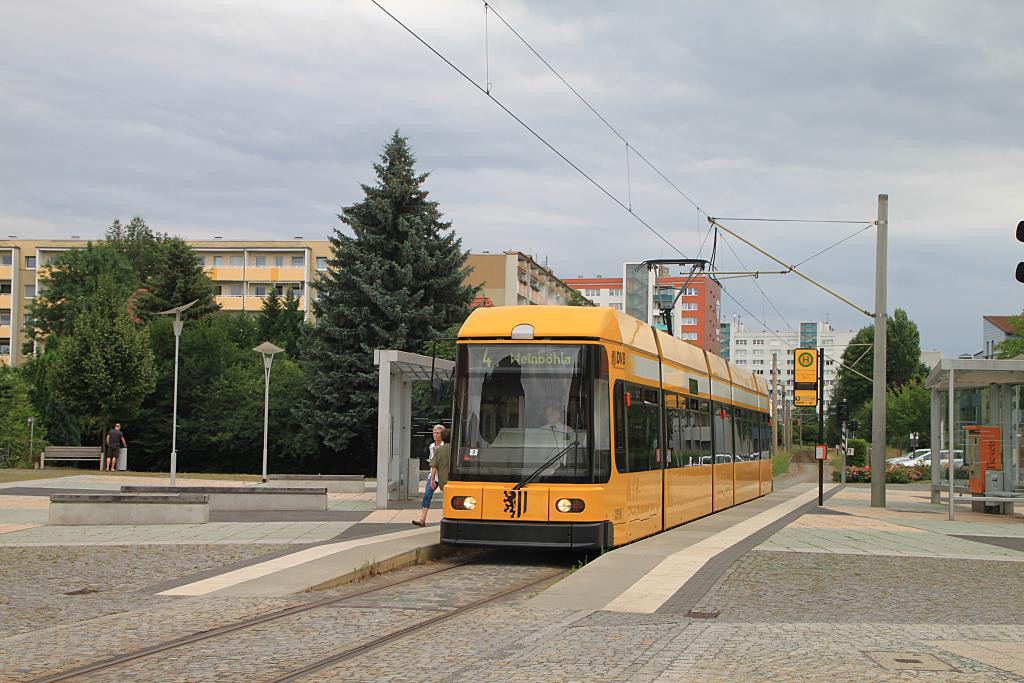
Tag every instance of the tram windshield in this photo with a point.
(518, 406)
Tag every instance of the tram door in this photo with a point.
(645, 454)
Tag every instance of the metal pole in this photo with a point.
(31, 439)
(174, 423)
(267, 361)
(878, 387)
(821, 424)
(774, 401)
(952, 439)
(842, 462)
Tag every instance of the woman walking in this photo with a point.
(438, 477)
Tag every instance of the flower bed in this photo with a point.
(896, 474)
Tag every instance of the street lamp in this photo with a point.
(31, 439)
(267, 350)
(178, 322)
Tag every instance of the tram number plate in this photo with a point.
(618, 359)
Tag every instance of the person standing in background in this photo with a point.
(115, 442)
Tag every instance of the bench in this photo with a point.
(334, 483)
(78, 509)
(241, 498)
(69, 453)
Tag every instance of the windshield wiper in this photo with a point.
(543, 467)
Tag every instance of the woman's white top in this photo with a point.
(433, 445)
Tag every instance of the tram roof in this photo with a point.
(561, 321)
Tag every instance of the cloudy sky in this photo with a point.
(259, 119)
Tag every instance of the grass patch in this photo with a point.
(780, 462)
(20, 474)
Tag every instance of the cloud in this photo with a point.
(259, 119)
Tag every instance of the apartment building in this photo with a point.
(753, 350)
(512, 278)
(695, 301)
(243, 273)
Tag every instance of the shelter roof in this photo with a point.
(973, 373)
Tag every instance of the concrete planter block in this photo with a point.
(242, 498)
(113, 508)
(334, 483)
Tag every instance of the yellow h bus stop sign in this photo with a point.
(805, 382)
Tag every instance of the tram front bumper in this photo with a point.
(548, 535)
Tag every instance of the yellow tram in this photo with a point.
(583, 428)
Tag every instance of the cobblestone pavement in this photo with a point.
(48, 586)
(881, 595)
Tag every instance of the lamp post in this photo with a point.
(267, 350)
(177, 324)
(31, 439)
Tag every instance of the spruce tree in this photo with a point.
(395, 282)
(269, 317)
(177, 279)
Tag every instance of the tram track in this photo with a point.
(112, 663)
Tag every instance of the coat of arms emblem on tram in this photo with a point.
(515, 502)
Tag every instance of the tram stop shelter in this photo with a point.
(398, 476)
(982, 427)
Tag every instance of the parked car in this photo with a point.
(910, 458)
(958, 459)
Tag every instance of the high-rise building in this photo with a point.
(753, 349)
(694, 302)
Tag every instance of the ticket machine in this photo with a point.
(985, 456)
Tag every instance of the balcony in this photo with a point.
(6, 301)
(5, 331)
(224, 273)
(230, 302)
(6, 272)
(275, 274)
(255, 303)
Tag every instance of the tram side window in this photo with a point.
(722, 421)
(621, 461)
(602, 430)
(642, 428)
(674, 405)
(766, 437)
(696, 433)
(744, 434)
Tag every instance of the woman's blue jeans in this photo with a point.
(428, 493)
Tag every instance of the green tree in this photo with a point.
(1012, 346)
(15, 410)
(105, 367)
(291, 324)
(395, 283)
(177, 279)
(63, 427)
(138, 244)
(74, 279)
(269, 317)
(903, 362)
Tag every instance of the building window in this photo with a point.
(298, 261)
(30, 262)
(592, 292)
(689, 306)
(690, 291)
(218, 290)
(261, 290)
(757, 342)
(321, 263)
(5, 317)
(692, 336)
(758, 362)
(741, 342)
(828, 341)
(279, 261)
(259, 261)
(741, 362)
(614, 292)
(5, 259)
(30, 291)
(202, 260)
(757, 352)
(236, 261)
(743, 352)
(689, 321)
(617, 307)
(218, 261)
(5, 288)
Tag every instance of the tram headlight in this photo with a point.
(570, 505)
(464, 502)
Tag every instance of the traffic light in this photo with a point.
(842, 412)
(1020, 265)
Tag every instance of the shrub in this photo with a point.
(860, 453)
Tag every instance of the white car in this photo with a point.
(958, 459)
(910, 458)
